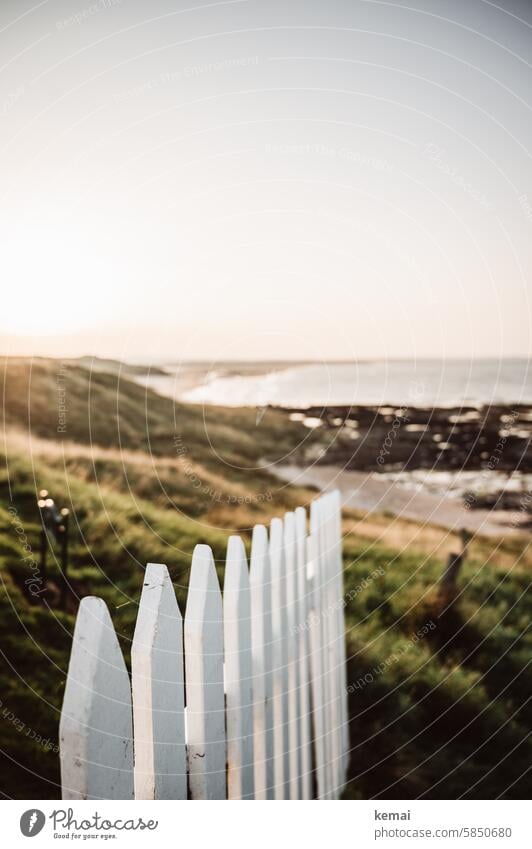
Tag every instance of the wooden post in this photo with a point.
(452, 570)
(63, 533)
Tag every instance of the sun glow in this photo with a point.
(54, 279)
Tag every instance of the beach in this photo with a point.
(369, 492)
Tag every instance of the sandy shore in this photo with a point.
(367, 491)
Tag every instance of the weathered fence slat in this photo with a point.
(205, 717)
(342, 675)
(294, 758)
(281, 764)
(303, 625)
(336, 520)
(261, 642)
(95, 728)
(322, 608)
(326, 646)
(158, 691)
(331, 618)
(238, 672)
(316, 665)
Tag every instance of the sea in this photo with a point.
(421, 383)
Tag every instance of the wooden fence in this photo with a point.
(244, 698)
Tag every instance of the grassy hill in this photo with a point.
(109, 410)
(443, 715)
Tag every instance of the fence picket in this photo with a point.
(335, 730)
(158, 691)
(303, 626)
(329, 604)
(238, 672)
(279, 665)
(316, 664)
(95, 727)
(205, 721)
(294, 759)
(316, 521)
(261, 641)
(342, 660)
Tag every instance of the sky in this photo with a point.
(266, 179)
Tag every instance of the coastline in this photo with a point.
(455, 466)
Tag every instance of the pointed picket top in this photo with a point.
(280, 661)
(95, 728)
(315, 515)
(204, 679)
(238, 672)
(158, 691)
(261, 644)
(236, 566)
(204, 599)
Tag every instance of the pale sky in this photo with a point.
(266, 178)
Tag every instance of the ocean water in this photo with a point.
(444, 383)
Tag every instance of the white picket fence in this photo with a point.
(243, 699)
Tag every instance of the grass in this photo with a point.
(448, 714)
(441, 716)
